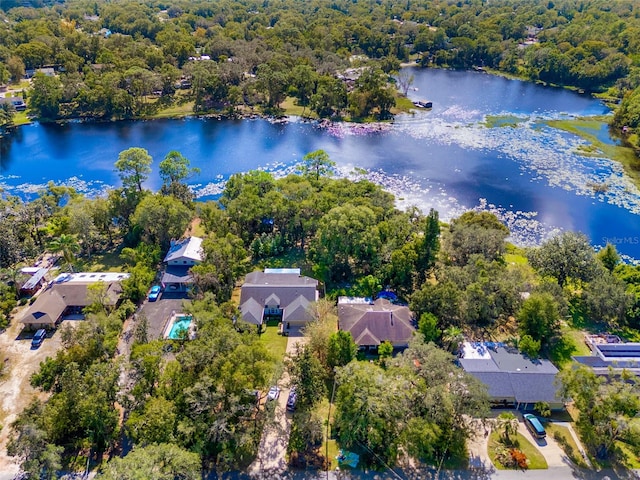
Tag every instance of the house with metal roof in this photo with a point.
(371, 323)
(282, 295)
(182, 255)
(512, 379)
(68, 295)
(35, 282)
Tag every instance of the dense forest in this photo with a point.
(193, 405)
(124, 59)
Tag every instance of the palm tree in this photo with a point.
(508, 423)
(452, 337)
(67, 245)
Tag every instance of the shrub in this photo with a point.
(512, 458)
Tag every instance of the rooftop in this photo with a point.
(190, 247)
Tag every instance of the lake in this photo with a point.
(484, 146)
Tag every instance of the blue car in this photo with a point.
(154, 294)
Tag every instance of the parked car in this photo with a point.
(274, 393)
(154, 293)
(291, 401)
(38, 338)
(534, 426)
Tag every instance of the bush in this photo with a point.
(512, 458)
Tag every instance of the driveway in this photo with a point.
(271, 460)
(158, 312)
(552, 452)
(19, 362)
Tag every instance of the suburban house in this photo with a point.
(278, 294)
(16, 102)
(513, 380)
(68, 295)
(31, 286)
(610, 355)
(371, 323)
(182, 255)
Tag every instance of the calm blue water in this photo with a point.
(531, 176)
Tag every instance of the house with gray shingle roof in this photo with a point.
(371, 323)
(512, 379)
(278, 294)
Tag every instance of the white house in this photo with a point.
(182, 255)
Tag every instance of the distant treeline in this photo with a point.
(124, 59)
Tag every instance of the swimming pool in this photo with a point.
(178, 326)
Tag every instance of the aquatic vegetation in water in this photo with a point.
(547, 154)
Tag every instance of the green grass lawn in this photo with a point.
(403, 104)
(536, 459)
(108, 261)
(631, 458)
(329, 446)
(275, 343)
(292, 108)
(176, 110)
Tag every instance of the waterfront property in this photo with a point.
(278, 294)
(371, 323)
(182, 255)
(68, 295)
(610, 354)
(179, 327)
(513, 379)
(16, 102)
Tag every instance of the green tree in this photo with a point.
(539, 318)
(606, 405)
(7, 113)
(308, 376)
(565, 256)
(45, 96)
(508, 424)
(161, 218)
(160, 462)
(341, 349)
(475, 233)
(347, 242)
(174, 169)
(385, 349)
(542, 409)
(452, 337)
(225, 261)
(316, 164)
(609, 257)
(428, 327)
(133, 167)
(67, 245)
(529, 346)
(606, 300)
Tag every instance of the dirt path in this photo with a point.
(20, 362)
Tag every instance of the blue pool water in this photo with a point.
(180, 324)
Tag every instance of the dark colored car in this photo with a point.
(534, 426)
(291, 401)
(38, 338)
(154, 294)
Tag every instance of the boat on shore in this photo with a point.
(423, 104)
